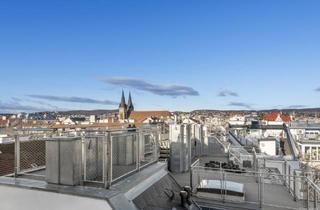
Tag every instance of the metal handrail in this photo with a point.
(312, 184)
(243, 172)
(195, 163)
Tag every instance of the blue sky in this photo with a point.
(174, 55)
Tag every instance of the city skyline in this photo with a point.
(173, 56)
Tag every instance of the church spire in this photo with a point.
(123, 108)
(123, 101)
(130, 105)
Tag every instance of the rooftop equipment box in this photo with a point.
(180, 148)
(63, 160)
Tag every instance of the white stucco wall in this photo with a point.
(268, 147)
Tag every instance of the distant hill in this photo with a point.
(304, 110)
(293, 110)
(87, 112)
(70, 112)
(102, 111)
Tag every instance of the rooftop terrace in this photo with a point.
(120, 170)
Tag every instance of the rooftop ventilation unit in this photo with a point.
(63, 160)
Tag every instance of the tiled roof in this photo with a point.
(273, 116)
(114, 125)
(140, 116)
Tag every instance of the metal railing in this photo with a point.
(260, 189)
(292, 143)
(264, 180)
(312, 195)
(111, 156)
(107, 156)
(275, 183)
(29, 156)
(6, 158)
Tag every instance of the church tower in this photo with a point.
(130, 106)
(123, 108)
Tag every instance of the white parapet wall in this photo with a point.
(14, 198)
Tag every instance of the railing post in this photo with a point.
(198, 176)
(84, 158)
(16, 155)
(105, 161)
(83, 169)
(294, 186)
(136, 136)
(223, 184)
(315, 197)
(259, 187)
(285, 172)
(289, 178)
(308, 195)
(97, 153)
(256, 176)
(191, 182)
(260, 190)
(109, 161)
(154, 146)
(138, 149)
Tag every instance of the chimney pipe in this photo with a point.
(184, 198)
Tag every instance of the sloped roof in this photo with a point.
(140, 116)
(114, 125)
(164, 195)
(273, 116)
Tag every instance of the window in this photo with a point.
(307, 153)
(314, 153)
